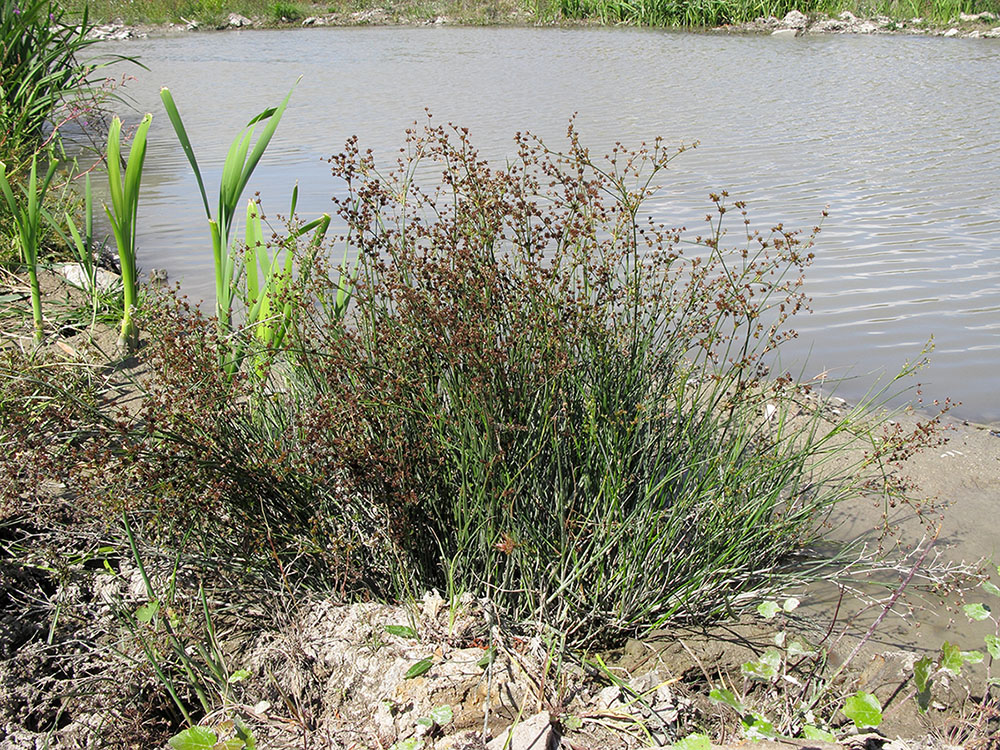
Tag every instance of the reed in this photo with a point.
(27, 213)
(240, 163)
(702, 13)
(122, 214)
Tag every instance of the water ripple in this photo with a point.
(896, 135)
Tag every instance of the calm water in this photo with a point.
(898, 136)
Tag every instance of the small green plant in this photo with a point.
(122, 214)
(951, 659)
(198, 662)
(207, 738)
(794, 662)
(27, 215)
(269, 297)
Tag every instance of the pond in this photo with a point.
(897, 136)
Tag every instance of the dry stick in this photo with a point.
(878, 620)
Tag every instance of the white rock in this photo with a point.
(848, 17)
(795, 20)
(104, 280)
(951, 32)
(535, 733)
(831, 25)
(785, 32)
(237, 21)
(432, 604)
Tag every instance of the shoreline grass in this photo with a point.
(689, 14)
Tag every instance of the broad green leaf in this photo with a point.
(815, 733)
(147, 611)
(863, 709)
(442, 715)
(238, 676)
(759, 729)
(726, 697)
(403, 631)
(572, 722)
(797, 647)
(766, 668)
(417, 669)
(993, 646)
(693, 742)
(951, 658)
(193, 738)
(790, 604)
(923, 700)
(972, 657)
(990, 588)
(232, 744)
(976, 611)
(768, 610)
(410, 743)
(922, 673)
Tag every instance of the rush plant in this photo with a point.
(537, 395)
